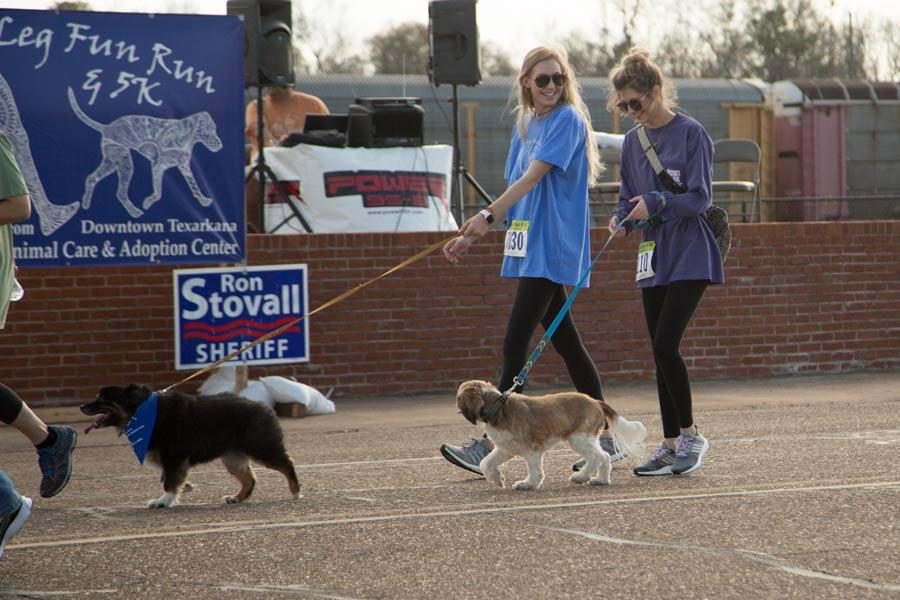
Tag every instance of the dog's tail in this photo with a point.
(628, 436)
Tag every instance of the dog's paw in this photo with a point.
(579, 477)
(599, 481)
(231, 499)
(525, 484)
(495, 477)
(164, 501)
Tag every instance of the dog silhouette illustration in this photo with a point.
(166, 143)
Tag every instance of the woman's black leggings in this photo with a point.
(539, 300)
(10, 405)
(668, 309)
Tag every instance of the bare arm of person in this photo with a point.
(14, 209)
(476, 226)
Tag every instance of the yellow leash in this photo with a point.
(334, 300)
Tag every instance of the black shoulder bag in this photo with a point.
(715, 216)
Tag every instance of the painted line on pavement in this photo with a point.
(768, 560)
(258, 526)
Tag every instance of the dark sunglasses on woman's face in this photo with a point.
(543, 81)
(634, 104)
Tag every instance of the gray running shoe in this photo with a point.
(689, 452)
(468, 455)
(608, 447)
(56, 461)
(11, 523)
(659, 463)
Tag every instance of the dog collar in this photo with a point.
(494, 409)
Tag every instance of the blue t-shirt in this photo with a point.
(556, 209)
(685, 247)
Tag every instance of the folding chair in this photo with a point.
(739, 151)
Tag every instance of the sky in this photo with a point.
(514, 25)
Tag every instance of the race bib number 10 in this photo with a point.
(516, 239)
(645, 261)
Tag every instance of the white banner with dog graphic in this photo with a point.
(127, 130)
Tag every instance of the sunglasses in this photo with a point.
(634, 104)
(543, 81)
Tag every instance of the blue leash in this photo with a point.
(519, 379)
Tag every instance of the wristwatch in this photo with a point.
(487, 214)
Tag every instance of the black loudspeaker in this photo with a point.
(390, 122)
(268, 47)
(453, 36)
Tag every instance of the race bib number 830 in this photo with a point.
(516, 239)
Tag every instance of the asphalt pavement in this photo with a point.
(798, 498)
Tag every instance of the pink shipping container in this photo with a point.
(810, 146)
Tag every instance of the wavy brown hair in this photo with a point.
(637, 71)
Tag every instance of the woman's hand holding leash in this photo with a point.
(639, 212)
(614, 228)
(638, 217)
(456, 247)
(474, 228)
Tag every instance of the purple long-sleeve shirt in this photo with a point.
(685, 246)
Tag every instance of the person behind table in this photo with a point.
(678, 257)
(284, 112)
(552, 161)
(54, 444)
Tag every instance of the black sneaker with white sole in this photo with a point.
(11, 523)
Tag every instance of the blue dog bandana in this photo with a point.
(139, 428)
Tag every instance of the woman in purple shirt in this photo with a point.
(678, 256)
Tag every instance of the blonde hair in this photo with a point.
(571, 94)
(637, 71)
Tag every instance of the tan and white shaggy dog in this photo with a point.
(528, 426)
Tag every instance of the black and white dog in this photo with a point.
(190, 430)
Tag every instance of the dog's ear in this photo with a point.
(470, 401)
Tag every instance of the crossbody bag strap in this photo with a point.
(664, 177)
(649, 150)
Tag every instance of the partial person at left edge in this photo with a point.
(54, 444)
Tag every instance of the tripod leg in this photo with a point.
(252, 200)
(270, 176)
(474, 183)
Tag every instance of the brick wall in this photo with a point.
(799, 298)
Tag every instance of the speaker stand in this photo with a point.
(460, 173)
(263, 172)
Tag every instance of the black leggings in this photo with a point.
(668, 309)
(539, 301)
(10, 405)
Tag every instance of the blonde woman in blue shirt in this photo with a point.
(552, 161)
